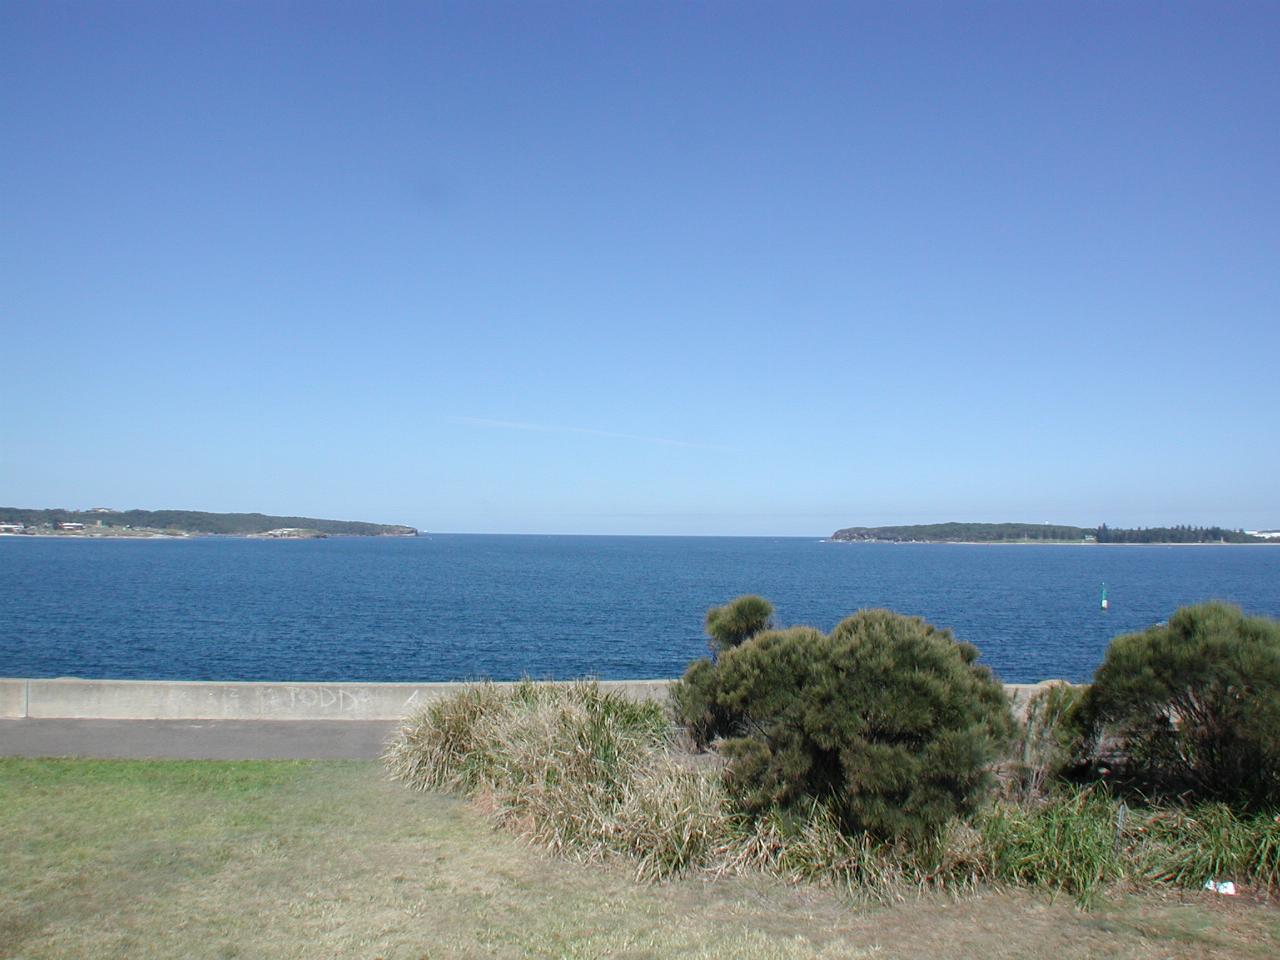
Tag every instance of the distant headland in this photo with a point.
(1050, 533)
(106, 522)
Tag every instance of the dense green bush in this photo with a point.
(738, 621)
(695, 697)
(887, 720)
(695, 703)
(1195, 704)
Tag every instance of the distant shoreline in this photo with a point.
(1047, 543)
(197, 536)
(1053, 533)
(179, 524)
(112, 536)
(385, 536)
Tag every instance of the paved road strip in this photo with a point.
(196, 739)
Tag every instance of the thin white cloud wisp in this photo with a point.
(587, 431)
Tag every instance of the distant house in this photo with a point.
(71, 525)
(103, 510)
(1265, 534)
(11, 528)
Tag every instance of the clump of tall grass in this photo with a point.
(575, 769)
(1211, 842)
(1071, 842)
(809, 846)
(1050, 738)
(1079, 840)
(438, 746)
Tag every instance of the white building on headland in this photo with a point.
(1265, 534)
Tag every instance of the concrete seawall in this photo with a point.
(215, 700)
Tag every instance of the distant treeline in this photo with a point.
(1180, 534)
(195, 521)
(1057, 533)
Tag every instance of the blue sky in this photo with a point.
(725, 268)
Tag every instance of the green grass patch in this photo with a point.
(1068, 843)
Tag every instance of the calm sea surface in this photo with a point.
(466, 607)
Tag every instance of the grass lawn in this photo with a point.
(146, 859)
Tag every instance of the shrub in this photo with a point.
(738, 621)
(695, 703)
(1196, 704)
(695, 698)
(439, 747)
(464, 742)
(887, 720)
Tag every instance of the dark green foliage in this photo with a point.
(695, 697)
(997, 532)
(887, 720)
(737, 622)
(964, 532)
(694, 700)
(1182, 533)
(1196, 704)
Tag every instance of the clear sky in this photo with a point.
(648, 267)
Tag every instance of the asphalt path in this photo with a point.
(196, 739)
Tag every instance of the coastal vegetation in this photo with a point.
(215, 859)
(105, 520)
(696, 698)
(1044, 533)
(1049, 741)
(1193, 706)
(736, 622)
(882, 761)
(913, 755)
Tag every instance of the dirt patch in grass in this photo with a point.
(145, 859)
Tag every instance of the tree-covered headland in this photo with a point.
(1043, 533)
(196, 522)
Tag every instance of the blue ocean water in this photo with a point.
(467, 607)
